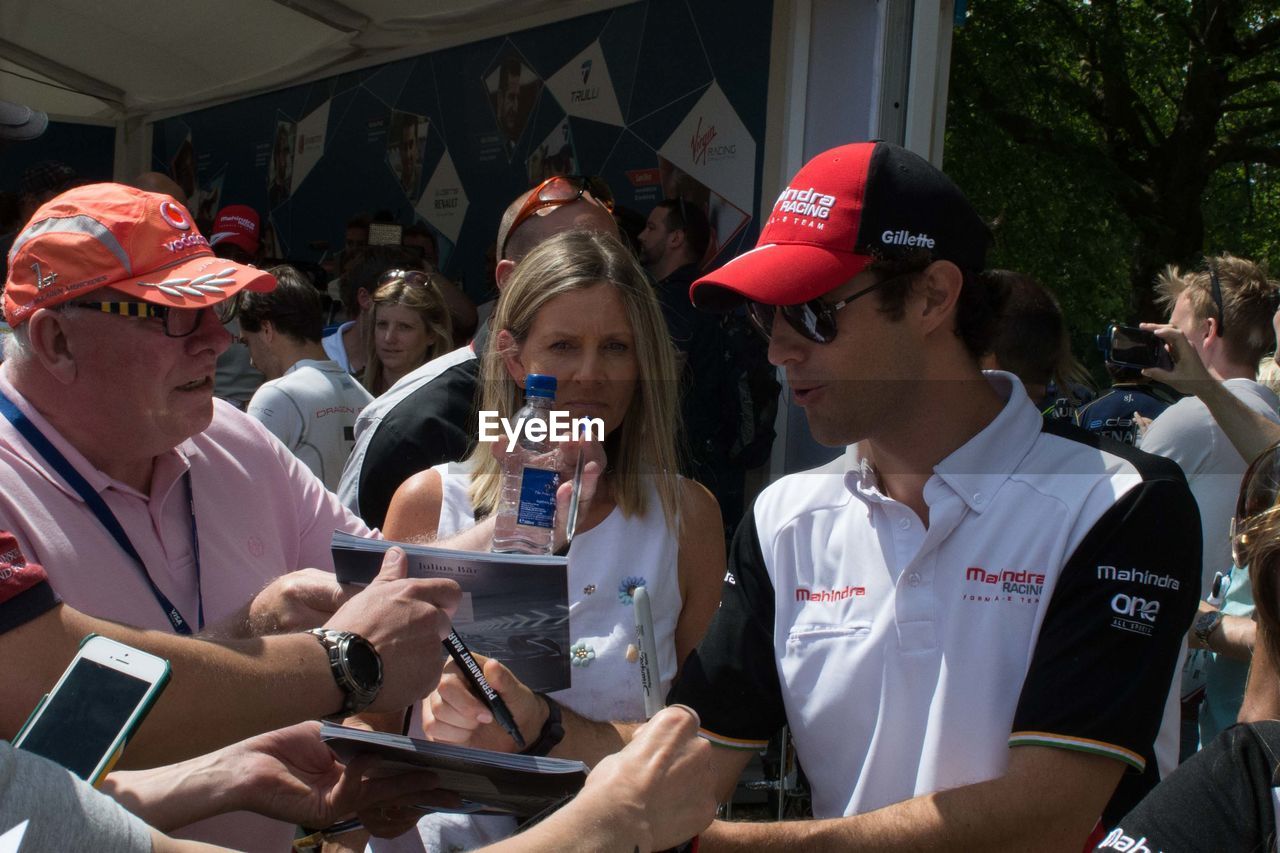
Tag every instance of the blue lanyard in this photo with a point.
(53, 457)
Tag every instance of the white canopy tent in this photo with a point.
(838, 69)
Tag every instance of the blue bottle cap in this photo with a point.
(539, 385)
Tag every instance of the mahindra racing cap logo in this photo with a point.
(809, 203)
(175, 216)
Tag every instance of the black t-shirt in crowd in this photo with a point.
(434, 424)
(1222, 798)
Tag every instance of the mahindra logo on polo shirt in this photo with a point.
(1111, 573)
(174, 215)
(809, 203)
(827, 595)
(1021, 582)
(906, 238)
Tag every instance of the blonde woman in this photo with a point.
(579, 308)
(410, 327)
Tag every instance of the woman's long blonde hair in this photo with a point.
(419, 292)
(644, 444)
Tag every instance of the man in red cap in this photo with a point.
(969, 622)
(149, 503)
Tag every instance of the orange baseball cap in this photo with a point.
(110, 235)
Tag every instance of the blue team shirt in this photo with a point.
(1111, 415)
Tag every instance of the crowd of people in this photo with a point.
(973, 623)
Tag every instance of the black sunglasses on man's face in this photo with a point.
(815, 320)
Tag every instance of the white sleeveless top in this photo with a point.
(605, 562)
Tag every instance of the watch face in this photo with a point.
(363, 664)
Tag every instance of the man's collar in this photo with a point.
(979, 467)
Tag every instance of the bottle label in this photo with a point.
(537, 497)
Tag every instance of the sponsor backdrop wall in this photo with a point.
(87, 148)
(662, 98)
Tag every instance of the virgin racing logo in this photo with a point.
(1007, 585)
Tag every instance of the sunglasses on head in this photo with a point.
(814, 320)
(1259, 495)
(558, 190)
(410, 277)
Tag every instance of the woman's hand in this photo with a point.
(453, 714)
(567, 454)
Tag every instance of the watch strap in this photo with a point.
(552, 730)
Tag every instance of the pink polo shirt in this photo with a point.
(260, 514)
(259, 511)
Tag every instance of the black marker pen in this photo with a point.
(480, 685)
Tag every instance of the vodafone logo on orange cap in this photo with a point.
(175, 216)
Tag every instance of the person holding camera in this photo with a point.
(1225, 311)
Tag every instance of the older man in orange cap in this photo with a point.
(148, 502)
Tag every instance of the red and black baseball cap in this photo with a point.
(847, 207)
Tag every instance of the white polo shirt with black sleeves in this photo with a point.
(1045, 604)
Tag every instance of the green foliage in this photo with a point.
(1110, 137)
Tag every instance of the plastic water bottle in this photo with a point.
(530, 476)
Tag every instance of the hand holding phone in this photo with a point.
(93, 710)
(1129, 346)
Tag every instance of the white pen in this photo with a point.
(653, 702)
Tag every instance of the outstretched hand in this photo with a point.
(291, 775)
(566, 460)
(662, 781)
(403, 618)
(296, 601)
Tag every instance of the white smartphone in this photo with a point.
(93, 710)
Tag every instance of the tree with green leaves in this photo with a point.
(1109, 138)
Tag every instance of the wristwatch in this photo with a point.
(356, 666)
(1206, 624)
(552, 730)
